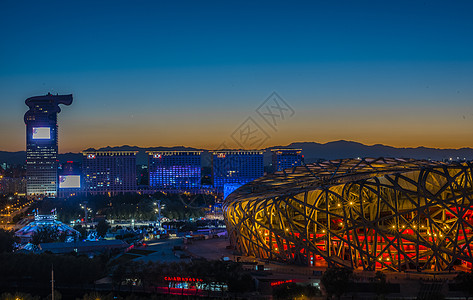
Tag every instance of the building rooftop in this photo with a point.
(108, 152)
(172, 152)
(215, 152)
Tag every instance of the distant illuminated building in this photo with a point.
(236, 167)
(13, 185)
(286, 158)
(109, 172)
(174, 170)
(42, 143)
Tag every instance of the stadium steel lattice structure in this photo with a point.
(368, 214)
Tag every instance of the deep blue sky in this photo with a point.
(190, 72)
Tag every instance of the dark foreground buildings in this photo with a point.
(42, 144)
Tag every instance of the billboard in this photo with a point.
(69, 181)
(41, 133)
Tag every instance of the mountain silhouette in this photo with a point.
(312, 152)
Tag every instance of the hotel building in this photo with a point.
(286, 158)
(109, 172)
(174, 170)
(236, 167)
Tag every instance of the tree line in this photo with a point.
(19, 268)
(128, 206)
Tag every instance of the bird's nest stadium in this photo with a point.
(369, 214)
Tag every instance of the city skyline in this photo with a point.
(191, 74)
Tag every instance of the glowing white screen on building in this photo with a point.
(43, 133)
(69, 181)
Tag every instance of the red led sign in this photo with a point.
(281, 282)
(182, 279)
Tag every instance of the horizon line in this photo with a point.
(264, 148)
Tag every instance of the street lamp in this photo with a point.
(159, 214)
(158, 208)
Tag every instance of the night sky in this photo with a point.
(148, 73)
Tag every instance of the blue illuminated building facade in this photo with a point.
(236, 167)
(229, 188)
(175, 170)
(286, 158)
(42, 144)
(109, 172)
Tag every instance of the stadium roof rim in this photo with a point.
(329, 173)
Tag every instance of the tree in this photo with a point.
(82, 230)
(8, 296)
(7, 238)
(336, 281)
(19, 267)
(292, 290)
(102, 228)
(95, 296)
(57, 295)
(62, 237)
(118, 276)
(45, 235)
(241, 283)
(464, 282)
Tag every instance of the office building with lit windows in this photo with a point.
(174, 170)
(12, 185)
(286, 158)
(42, 144)
(236, 167)
(109, 172)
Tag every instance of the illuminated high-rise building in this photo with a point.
(109, 172)
(42, 144)
(174, 170)
(236, 167)
(286, 158)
